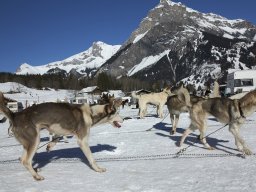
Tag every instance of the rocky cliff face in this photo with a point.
(175, 42)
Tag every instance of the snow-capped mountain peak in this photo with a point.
(174, 42)
(168, 11)
(90, 59)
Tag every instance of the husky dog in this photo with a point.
(54, 138)
(181, 103)
(225, 110)
(60, 119)
(158, 99)
(105, 98)
(178, 104)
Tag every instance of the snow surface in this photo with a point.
(228, 36)
(28, 96)
(137, 38)
(136, 160)
(147, 61)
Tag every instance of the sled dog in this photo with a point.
(54, 138)
(158, 99)
(181, 103)
(60, 119)
(225, 110)
(178, 104)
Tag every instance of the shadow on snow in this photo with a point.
(43, 158)
(192, 139)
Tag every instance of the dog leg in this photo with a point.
(55, 139)
(157, 111)
(144, 112)
(160, 111)
(87, 152)
(177, 117)
(22, 158)
(240, 143)
(26, 159)
(184, 136)
(202, 128)
(141, 110)
(189, 130)
(173, 130)
(174, 120)
(10, 132)
(203, 140)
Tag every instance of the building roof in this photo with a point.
(89, 89)
(116, 93)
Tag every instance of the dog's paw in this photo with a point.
(101, 170)
(48, 148)
(38, 177)
(37, 169)
(247, 151)
(96, 168)
(211, 148)
(178, 144)
(172, 132)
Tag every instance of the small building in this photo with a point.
(13, 105)
(88, 95)
(116, 93)
(241, 81)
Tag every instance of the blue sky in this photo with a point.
(42, 31)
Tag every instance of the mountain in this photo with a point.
(174, 42)
(82, 63)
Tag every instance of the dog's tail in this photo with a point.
(216, 90)
(135, 96)
(7, 112)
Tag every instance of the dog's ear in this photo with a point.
(117, 103)
(113, 104)
(168, 87)
(110, 106)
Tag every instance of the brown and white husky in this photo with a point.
(60, 119)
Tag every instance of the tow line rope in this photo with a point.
(125, 132)
(56, 138)
(133, 158)
(179, 154)
(182, 151)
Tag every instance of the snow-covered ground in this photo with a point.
(28, 96)
(136, 160)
